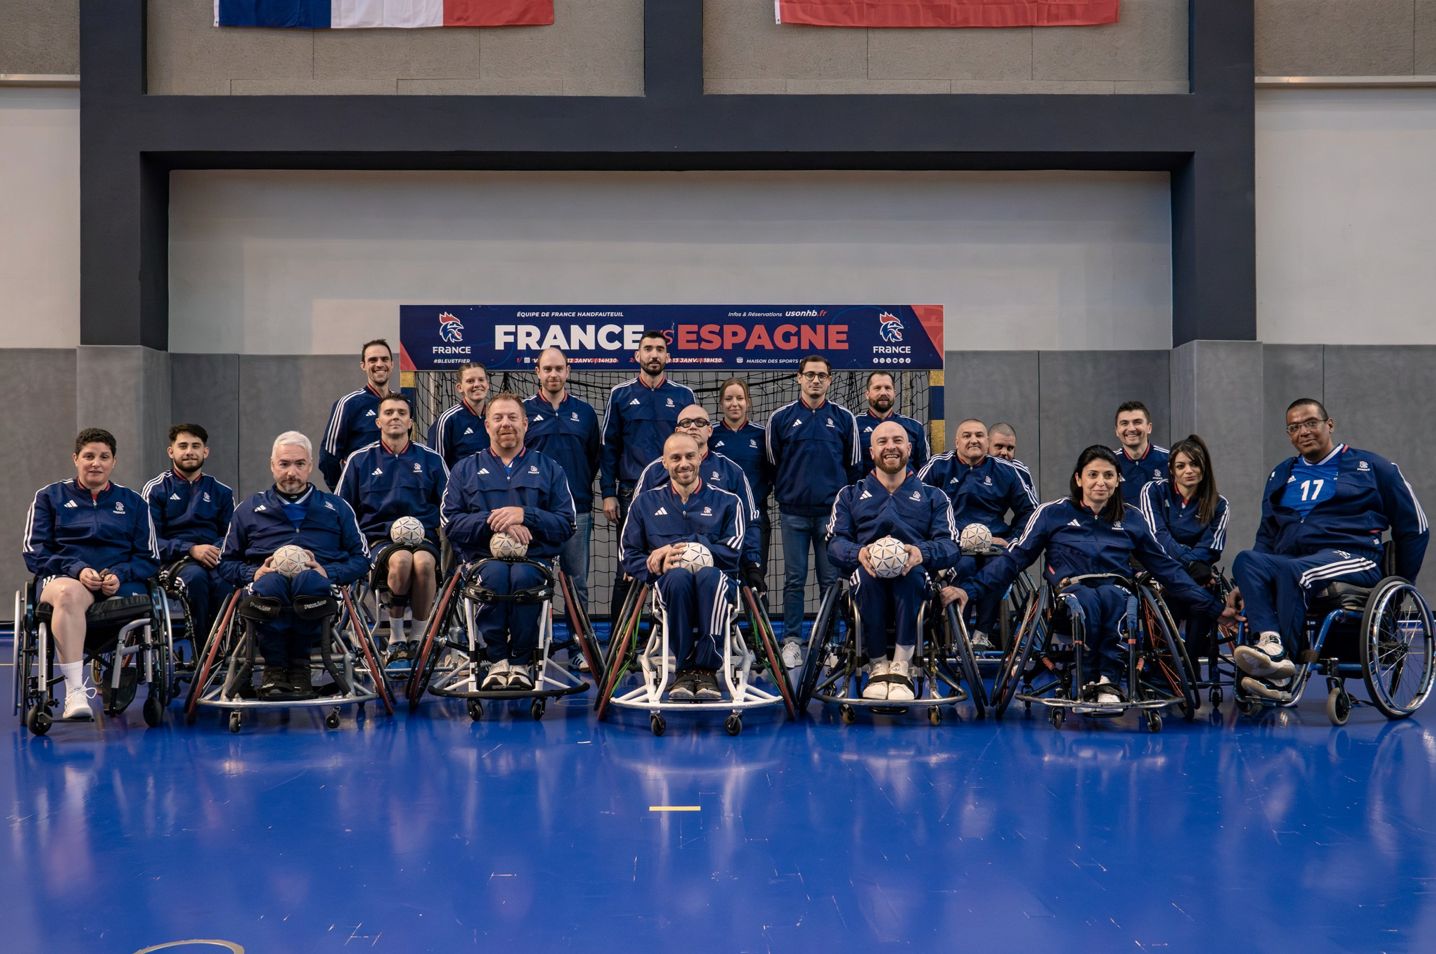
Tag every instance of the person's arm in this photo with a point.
(1410, 532)
(1267, 527)
(752, 538)
(1178, 584)
(842, 533)
(592, 450)
(356, 558)
(1154, 515)
(633, 547)
(463, 523)
(610, 448)
(1021, 500)
(853, 450)
(1000, 571)
(1209, 546)
(435, 440)
(233, 568)
(39, 546)
(727, 544)
(553, 522)
(330, 460)
(919, 447)
(144, 559)
(154, 494)
(940, 550)
(347, 488)
(224, 514)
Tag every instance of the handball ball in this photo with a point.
(289, 560)
(694, 557)
(975, 536)
(888, 557)
(506, 547)
(407, 532)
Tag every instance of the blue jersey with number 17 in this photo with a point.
(1310, 484)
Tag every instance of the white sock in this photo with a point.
(396, 629)
(417, 632)
(903, 654)
(74, 673)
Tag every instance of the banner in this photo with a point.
(947, 13)
(401, 14)
(700, 337)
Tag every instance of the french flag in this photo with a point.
(399, 14)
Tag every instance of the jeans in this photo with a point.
(573, 558)
(799, 533)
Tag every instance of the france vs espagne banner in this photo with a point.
(717, 337)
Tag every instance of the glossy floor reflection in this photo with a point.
(431, 833)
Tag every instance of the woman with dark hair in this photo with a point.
(1093, 531)
(1185, 511)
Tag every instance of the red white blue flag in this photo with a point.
(401, 14)
(946, 13)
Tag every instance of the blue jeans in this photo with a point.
(799, 533)
(573, 558)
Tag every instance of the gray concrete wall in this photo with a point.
(40, 434)
(594, 48)
(40, 36)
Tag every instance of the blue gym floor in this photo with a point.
(428, 832)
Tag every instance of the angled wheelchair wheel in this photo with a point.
(622, 647)
(825, 631)
(1020, 653)
(429, 650)
(369, 654)
(20, 647)
(762, 628)
(1397, 648)
(204, 671)
(1169, 670)
(957, 635)
(582, 628)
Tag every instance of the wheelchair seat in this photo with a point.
(1340, 595)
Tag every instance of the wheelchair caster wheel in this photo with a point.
(934, 716)
(1338, 706)
(536, 709)
(733, 725)
(1217, 698)
(657, 724)
(476, 710)
(235, 721)
(1057, 717)
(39, 720)
(1154, 722)
(846, 713)
(153, 712)
(331, 721)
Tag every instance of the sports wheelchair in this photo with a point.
(451, 660)
(1381, 634)
(127, 642)
(224, 675)
(1047, 662)
(944, 663)
(639, 646)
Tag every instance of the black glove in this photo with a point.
(753, 576)
(1201, 573)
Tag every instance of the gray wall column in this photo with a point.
(126, 390)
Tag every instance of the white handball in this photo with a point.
(693, 557)
(407, 531)
(888, 557)
(289, 560)
(506, 547)
(975, 537)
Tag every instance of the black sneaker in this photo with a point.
(275, 683)
(682, 688)
(299, 685)
(705, 688)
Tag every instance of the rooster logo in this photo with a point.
(451, 329)
(891, 330)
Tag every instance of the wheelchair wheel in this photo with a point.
(429, 650)
(1397, 648)
(1169, 670)
(621, 649)
(824, 632)
(1338, 706)
(205, 661)
(582, 628)
(760, 626)
(19, 658)
(1019, 654)
(38, 719)
(967, 659)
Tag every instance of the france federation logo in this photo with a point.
(891, 330)
(451, 329)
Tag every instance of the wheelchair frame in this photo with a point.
(656, 665)
(453, 669)
(224, 673)
(33, 669)
(1375, 612)
(1159, 671)
(831, 673)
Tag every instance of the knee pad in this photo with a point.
(259, 609)
(315, 606)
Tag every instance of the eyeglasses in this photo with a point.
(1310, 424)
(814, 375)
(692, 423)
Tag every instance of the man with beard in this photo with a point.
(696, 604)
(460, 431)
(351, 419)
(191, 511)
(891, 502)
(639, 416)
(882, 395)
(983, 489)
(292, 511)
(511, 490)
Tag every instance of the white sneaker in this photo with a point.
(877, 689)
(981, 643)
(1266, 660)
(900, 689)
(77, 704)
(1275, 689)
(497, 677)
(792, 653)
(521, 677)
(1105, 693)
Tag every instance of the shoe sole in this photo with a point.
(1254, 662)
(1258, 688)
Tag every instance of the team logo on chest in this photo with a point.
(916, 495)
(328, 505)
(1362, 465)
(206, 497)
(119, 507)
(987, 481)
(573, 415)
(418, 468)
(707, 511)
(533, 469)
